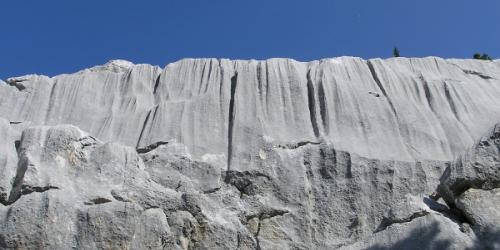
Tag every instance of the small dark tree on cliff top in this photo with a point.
(395, 52)
(484, 56)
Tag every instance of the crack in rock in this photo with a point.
(232, 113)
(297, 145)
(312, 103)
(267, 214)
(26, 189)
(97, 201)
(258, 218)
(146, 123)
(87, 141)
(213, 190)
(245, 181)
(375, 77)
(386, 222)
(151, 147)
(479, 74)
(30, 189)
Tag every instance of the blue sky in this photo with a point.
(61, 36)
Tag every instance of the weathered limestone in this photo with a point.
(482, 209)
(8, 158)
(419, 108)
(276, 154)
(472, 186)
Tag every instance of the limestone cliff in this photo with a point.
(275, 154)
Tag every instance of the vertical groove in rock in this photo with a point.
(348, 165)
(259, 79)
(402, 130)
(450, 100)
(16, 191)
(221, 85)
(208, 76)
(143, 128)
(156, 110)
(312, 104)
(453, 107)
(267, 89)
(157, 83)
(234, 82)
(427, 91)
(51, 101)
(200, 86)
(322, 107)
(380, 86)
(263, 94)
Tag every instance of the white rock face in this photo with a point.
(275, 154)
(400, 109)
(8, 158)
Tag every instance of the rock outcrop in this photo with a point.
(471, 186)
(276, 154)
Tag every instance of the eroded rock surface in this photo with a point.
(471, 185)
(276, 154)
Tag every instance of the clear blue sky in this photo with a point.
(61, 36)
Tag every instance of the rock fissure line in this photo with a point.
(157, 83)
(143, 128)
(312, 104)
(151, 147)
(97, 201)
(208, 77)
(479, 74)
(87, 141)
(243, 180)
(297, 145)
(200, 85)
(381, 87)
(16, 191)
(238, 241)
(263, 216)
(268, 214)
(51, 100)
(267, 89)
(257, 241)
(234, 82)
(386, 222)
(323, 111)
(259, 79)
(211, 191)
(24, 191)
(401, 129)
(156, 111)
(450, 100)
(27, 190)
(221, 84)
(348, 173)
(427, 92)
(145, 124)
